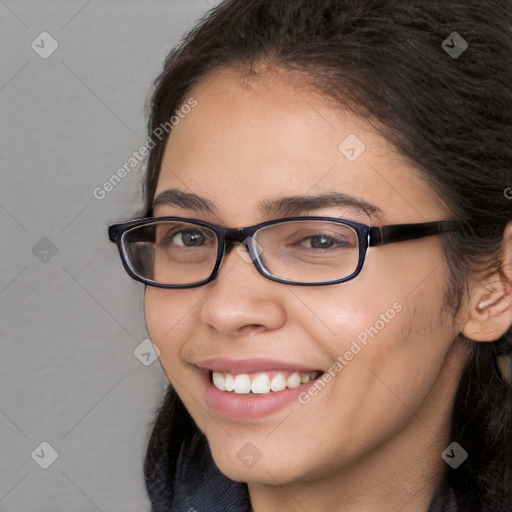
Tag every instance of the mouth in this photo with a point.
(262, 382)
(252, 389)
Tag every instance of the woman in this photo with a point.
(326, 363)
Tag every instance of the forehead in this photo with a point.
(253, 139)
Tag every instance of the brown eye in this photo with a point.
(323, 241)
(188, 238)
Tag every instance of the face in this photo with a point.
(381, 347)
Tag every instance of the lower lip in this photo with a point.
(248, 406)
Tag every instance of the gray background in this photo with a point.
(70, 317)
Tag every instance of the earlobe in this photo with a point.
(490, 307)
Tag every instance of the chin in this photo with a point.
(248, 464)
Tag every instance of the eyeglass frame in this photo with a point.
(368, 236)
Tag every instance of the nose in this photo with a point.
(240, 298)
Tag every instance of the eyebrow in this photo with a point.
(283, 206)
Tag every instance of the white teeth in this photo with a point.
(293, 381)
(242, 384)
(260, 383)
(278, 382)
(229, 382)
(218, 380)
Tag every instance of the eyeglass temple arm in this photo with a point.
(113, 233)
(401, 232)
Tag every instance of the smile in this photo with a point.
(260, 382)
(252, 388)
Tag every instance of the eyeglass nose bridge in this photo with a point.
(226, 238)
(233, 235)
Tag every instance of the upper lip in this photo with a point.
(237, 366)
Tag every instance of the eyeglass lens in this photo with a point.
(180, 253)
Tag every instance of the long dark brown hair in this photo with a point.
(450, 116)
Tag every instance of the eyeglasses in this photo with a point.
(176, 252)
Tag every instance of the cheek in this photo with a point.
(334, 317)
(388, 343)
(387, 351)
(168, 316)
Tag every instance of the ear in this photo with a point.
(490, 299)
